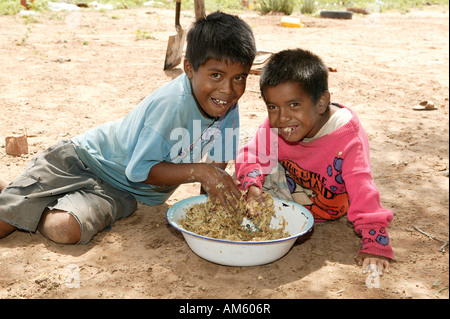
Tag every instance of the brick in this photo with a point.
(16, 145)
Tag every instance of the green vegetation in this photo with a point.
(283, 6)
(307, 6)
(38, 5)
(24, 38)
(144, 35)
(11, 7)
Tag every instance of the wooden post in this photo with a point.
(199, 9)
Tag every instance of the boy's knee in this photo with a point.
(60, 227)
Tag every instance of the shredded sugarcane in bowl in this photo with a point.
(213, 220)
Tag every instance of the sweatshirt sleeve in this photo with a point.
(258, 158)
(369, 218)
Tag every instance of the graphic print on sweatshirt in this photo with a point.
(328, 196)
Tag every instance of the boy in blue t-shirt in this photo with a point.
(77, 188)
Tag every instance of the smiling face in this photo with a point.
(293, 112)
(217, 85)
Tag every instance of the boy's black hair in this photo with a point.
(299, 66)
(222, 37)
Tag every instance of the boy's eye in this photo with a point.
(271, 107)
(216, 76)
(240, 78)
(294, 104)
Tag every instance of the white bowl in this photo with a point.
(245, 253)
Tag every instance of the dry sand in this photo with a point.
(68, 72)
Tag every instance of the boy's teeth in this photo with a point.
(287, 129)
(220, 101)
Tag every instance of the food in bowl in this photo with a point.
(212, 220)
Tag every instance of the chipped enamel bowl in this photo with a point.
(299, 221)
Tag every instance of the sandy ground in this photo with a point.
(67, 72)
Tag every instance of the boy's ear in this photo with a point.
(323, 102)
(188, 69)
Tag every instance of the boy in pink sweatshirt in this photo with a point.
(314, 152)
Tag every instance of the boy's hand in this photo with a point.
(220, 185)
(215, 181)
(254, 194)
(366, 260)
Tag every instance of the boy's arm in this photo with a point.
(214, 180)
(257, 158)
(369, 218)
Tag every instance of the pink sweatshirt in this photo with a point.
(336, 167)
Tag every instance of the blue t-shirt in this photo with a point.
(166, 126)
